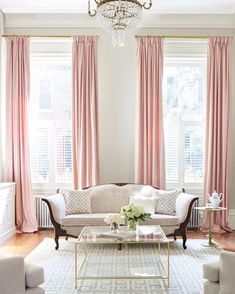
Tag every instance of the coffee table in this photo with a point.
(94, 235)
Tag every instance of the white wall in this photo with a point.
(117, 94)
(1, 102)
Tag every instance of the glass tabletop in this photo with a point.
(103, 235)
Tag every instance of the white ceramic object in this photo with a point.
(215, 199)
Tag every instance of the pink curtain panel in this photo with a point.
(218, 149)
(150, 154)
(84, 112)
(17, 141)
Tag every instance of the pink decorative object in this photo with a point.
(17, 142)
(85, 112)
(218, 149)
(150, 154)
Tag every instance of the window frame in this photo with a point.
(51, 51)
(182, 52)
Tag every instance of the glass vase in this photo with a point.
(133, 225)
(114, 227)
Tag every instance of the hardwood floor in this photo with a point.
(23, 244)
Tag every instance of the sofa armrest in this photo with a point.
(183, 206)
(211, 271)
(12, 274)
(57, 207)
(227, 275)
(34, 275)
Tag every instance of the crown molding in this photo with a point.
(73, 20)
(158, 10)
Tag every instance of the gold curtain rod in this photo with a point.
(173, 37)
(43, 36)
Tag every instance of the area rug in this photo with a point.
(185, 268)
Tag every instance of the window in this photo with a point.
(45, 99)
(40, 156)
(50, 120)
(184, 105)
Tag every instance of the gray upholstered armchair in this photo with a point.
(18, 277)
(220, 274)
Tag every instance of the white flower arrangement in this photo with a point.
(114, 218)
(134, 212)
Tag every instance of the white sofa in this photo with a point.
(18, 277)
(220, 275)
(109, 199)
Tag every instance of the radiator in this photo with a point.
(42, 213)
(194, 221)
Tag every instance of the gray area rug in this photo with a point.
(185, 267)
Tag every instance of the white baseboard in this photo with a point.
(7, 235)
(231, 218)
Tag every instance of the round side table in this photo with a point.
(210, 210)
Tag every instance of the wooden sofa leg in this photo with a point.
(184, 241)
(175, 238)
(56, 242)
(119, 246)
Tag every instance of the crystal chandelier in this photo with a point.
(118, 17)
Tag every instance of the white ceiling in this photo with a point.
(80, 6)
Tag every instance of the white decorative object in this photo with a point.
(118, 17)
(120, 235)
(166, 201)
(147, 191)
(215, 199)
(114, 220)
(77, 201)
(7, 211)
(148, 203)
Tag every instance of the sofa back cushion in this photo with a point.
(111, 198)
(77, 201)
(148, 203)
(166, 201)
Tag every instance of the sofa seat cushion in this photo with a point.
(34, 275)
(97, 219)
(211, 271)
(162, 220)
(92, 219)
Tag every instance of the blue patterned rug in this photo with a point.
(185, 267)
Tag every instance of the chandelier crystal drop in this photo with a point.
(118, 17)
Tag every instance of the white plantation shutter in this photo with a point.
(172, 150)
(193, 161)
(40, 155)
(63, 155)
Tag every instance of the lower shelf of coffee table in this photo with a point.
(123, 267)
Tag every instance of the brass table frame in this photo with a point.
(159, 242)
(210, 210)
